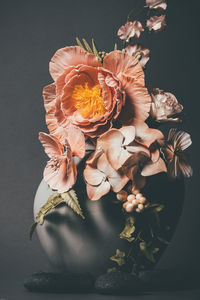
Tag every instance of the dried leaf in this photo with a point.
(79, 43)
(32, 229)
(87, 46)
(147, 252)
(95, 51)
(70, 198)
(115, 47)
(119, 257)
(128, 229)
(162, 240)
(110, 270)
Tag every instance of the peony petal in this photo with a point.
(76, 140)
(71, 56)
(51, 144)
(49, 96)
(154, 168)
(93, 176)
(96, 192)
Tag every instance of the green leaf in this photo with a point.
(87, 46)
(119, 257)
(128, 229)
(79, 43)
(32, 229)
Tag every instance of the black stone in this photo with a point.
(59, 282)
(117, 283)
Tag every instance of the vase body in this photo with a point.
(86, 245)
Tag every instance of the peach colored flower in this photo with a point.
(90, 95)
(164, 106)
(177, 164)
(129, 30)
(60, 172)
(139, 52)
(156, 23)
(102, 178)
(156, 4)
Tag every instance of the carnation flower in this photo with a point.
(101, 178)
(137, 51)
(89, 95)
(164, 106)
(155, 4)
(156, 23)
(129, 30)
(177, 164)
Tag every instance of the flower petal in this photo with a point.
(96, 192)
(128, 133)
(76, 140)
(51, 144)
(71, 56)
(93, 176)
(154, 168)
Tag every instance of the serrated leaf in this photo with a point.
(70, 198)
(87, 46)
(115, 47)
(32, 229)
(79, 43)
(51, 203)
(128, 229)
(118, 257)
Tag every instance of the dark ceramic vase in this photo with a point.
(86, 245)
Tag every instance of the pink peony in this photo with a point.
(89, 95)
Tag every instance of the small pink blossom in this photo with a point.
(129, 30)
(164, 106)
(156, 4)
(139, 52)
(156, 23)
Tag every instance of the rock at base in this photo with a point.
(117, 283)
(59, 282)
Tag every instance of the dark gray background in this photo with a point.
(30, 33)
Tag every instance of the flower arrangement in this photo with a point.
(99, 111)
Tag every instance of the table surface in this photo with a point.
(14, 290)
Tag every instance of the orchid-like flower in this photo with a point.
(101, 178)
(60, 172)
(156, 4)
(130, 30)
(139, 52)
(164, 106)
(177, 164)
(156, 23)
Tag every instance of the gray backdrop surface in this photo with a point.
(30, 33)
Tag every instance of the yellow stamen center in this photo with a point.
(88, 100)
